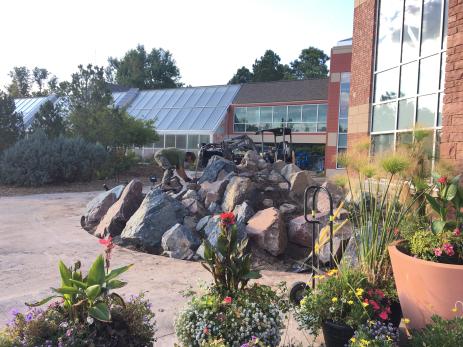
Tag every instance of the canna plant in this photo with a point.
(88, 296)
(228, 262)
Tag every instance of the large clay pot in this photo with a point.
(426, 288)
(336, 335)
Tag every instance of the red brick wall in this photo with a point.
(451, 147)
(363, 41)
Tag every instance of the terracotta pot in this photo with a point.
(426, 288)
(335, 334)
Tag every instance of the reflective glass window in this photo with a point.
(427, 107)
(266, 114)
(279, 115)
(343, 125)
(239, 128)
(160, 142)
(386, 85)
(439, 111)
(411, 36)
(252, 115)
(406, 113)
(442, 71)
(382, 143)
(322, 110)
(384, 116)
(309, 113)
(405, 138)
(204, 138)
(180, 141)
(431, 27)
(342, 140)
(390, 23)
(170, 141)
(240, 114)
(429, 74)
(409, 79)
(321, 127)
(294, 113)
(193, 141)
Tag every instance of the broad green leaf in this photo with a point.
(435, 175)
(451, 192)
(100, 312)
(438, 226)
(65, 273)
(118, 298)
(455, 180)
(116, 272)
(252, 275)
(96, 274)
(433, 202)
(78, 284)
(115, 284)
(66, 290)
(93, 291)
(41, 302)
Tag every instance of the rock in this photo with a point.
(298, 182)
(284, 185)
(191, 194)
(192, 186)
(213, 192)
(217, 165)
(297, 252)
(179, 242)
(98, 206)
(267, 202)
(190, 222)
(238, 190)
(340, 241)
(336, 192)
(243, 212)
(200, 251)
(276, 177)
(350, 253)
(120, 212)
(212, 231)
(288, 170)
(287, 208)
(202, 223)
(300, 232)
(157, 214)
(267, 228)
(278, 165)
(251, 156)
(262, 164)
(195, 207)
(214, 208)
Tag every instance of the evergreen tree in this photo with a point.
(11, 122)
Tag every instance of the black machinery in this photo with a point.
(282, 150)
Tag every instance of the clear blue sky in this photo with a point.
(209, 39)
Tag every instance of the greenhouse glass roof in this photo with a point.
(30, 106)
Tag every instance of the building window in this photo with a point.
(409, 70)
(344, 91)
(308, 118)
(181, 141)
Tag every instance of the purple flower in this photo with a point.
(29, 316)
(69, 332)
(245, 345)
(14, 312)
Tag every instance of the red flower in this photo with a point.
(227, 218)
(457, 232)
(442, 180)
(107, 242)
(448, 249)
(227, 300)
(374, 304)
(206, 330)
(380, 293)
(396, 231)
(437, 252)
(383, 315)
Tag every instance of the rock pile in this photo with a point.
(267, 200)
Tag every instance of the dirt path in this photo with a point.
(38, 230)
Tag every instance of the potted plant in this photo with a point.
(341, 302)
(85, 312)
(230, 312)
(375, 334)
(427, 265)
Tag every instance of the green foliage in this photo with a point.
(11, 122)
(119, 161)
(375, 334)
(38, 160)
(40, 75)
(310, 64)
(268, 68)
(211, 317)
(50, 119)
(156, 70)
(242, 75)
(87, 296)
(132, 325)
(229, 263)
(20, 86)
(422, 244)
(442, 333)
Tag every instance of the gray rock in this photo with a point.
(267, 228)
(157, 214)
(213, 229)
(299, 181)
(299, 232)
(276, 177)
(340, 241)
(278, 165)
(213, 192)
(98, 206)
(194, 207)
(202, 223)
(190, 222)
(336, 192)
(288, 170)
(121, 211)
(214, 208)
(179, 242)
(350, 253)
(243, 212)
(215, 166)
(238, 190)
(267, 203)
(288, 208)
(262, 164)
(191, 194)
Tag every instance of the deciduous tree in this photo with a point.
(310, 64)
(11, 122)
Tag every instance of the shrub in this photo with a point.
(252, 312)
(442, 333)
(39, 160)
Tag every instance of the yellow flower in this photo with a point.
(318, 277)
(406, 320)
(359, 291)
(334, 299)
(303, 301)
(364, 342)
(332, 272)
(350, 302)
(364, 304)
(454, 309)
(353, 339)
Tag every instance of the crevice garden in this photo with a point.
(395, 280)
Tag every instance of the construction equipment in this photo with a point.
(282, 150)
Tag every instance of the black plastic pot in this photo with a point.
(396, 314)
(336, 335)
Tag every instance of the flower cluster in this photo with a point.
(380, 305)
(227, 219)
(375, 334)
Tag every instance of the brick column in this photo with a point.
(451, 147)
(363, 44)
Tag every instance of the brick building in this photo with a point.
(407, 71)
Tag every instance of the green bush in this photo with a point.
(442, 333)
(38, 160)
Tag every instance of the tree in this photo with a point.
(242, 75)
(310, 64)
(268, 68)
(11, 122)
(20, 86)
(156, 70)
(50, 119)
(40, 76)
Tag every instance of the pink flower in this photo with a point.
(383, 315)
(206, 330)
(442, 180)
(448, 249)
(227, 300)
(375, 305)
(437, 252)
(380, 293)
(457, 232)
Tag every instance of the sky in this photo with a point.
(209, 39)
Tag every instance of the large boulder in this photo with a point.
(340, 242)
(299, 231)
(337, 194)
(180, 242)
(288, 170)
(213, 229)
(287, 208)
(243, 212)
(267, 228)
(213, 191)
(157, 214)
(238, 190)
(298, 182)
(98, 207)
(216, 167)
(120, 212)
(194, 207)
(278, 165)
